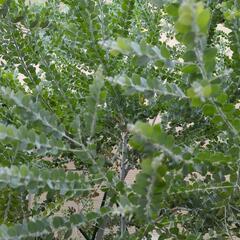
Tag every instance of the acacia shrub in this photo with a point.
(111, 87)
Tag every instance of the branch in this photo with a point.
(98, 232)
(84, 234)
(122, 176)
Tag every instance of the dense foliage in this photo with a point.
(113, 86)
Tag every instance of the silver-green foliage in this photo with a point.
(101, 91)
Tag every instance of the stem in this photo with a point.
(224, 118)
(99, 231)
(122, 177)
(219, 110)
(226, 225)
(6, 212)
(213, 188)
(84, 234)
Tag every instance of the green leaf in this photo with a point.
(191, 68)
(123, 44)
(76, 219)
(154, 135)
(58, 222)
(24, 171)
(147, 166)
(209, 58)
(32, 227)
(172, 9)
(209, 110)
(222, 98)
(185, 19)
(203, 20)
(165, 52)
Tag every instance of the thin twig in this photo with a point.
(122, 177)
(98, 231)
